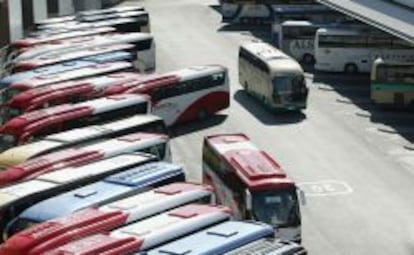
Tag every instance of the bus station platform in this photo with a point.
(387, 16)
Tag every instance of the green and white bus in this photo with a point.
(392, 83)
(271, 76)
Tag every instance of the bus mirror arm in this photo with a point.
(302, 197)
(249, 205)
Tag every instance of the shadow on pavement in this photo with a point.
(264, 115)
(194, 126)
(356, 90)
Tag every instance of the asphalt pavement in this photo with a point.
(359, 180)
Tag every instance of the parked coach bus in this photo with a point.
(184, 95)
(36, 124)
(34, 98)
(15, 198)
(259, 11)
(274, 78)
(14, 84)
(156, 144)
(81, 136)
(215, 240)
(144, 46)
(148, 233)
(355, 50)
(113, 188)
(105, 218)
(392, 83)
(251, 183)
(99, 54)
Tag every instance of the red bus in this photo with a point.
(14, 84)
(183, 95)
(34, 98)
(251, 183)
(156, 144)
(40, 123)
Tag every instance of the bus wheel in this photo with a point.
(351, 69)
(202, 114)
(308, 59)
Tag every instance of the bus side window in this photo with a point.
(217, 79)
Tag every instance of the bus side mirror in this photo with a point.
(248, 200)
(302, 197)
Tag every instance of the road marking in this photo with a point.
(325, 188)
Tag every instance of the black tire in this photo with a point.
(351, 69)
(308, 59)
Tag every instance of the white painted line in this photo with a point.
(325, 188)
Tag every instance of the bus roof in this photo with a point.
(111, 10)
(95, 220)
(150, 232)
(69, 177)
(220, 238)
(31, 41)
(269, 247)
(110, 165)
(62, 72)
(78, 156)
(76, 44)
(112, 188)
(91, 131)
(108, 16)
(255, 167)
(72, 111)
(278, 62)
(19, 154)
(40, 95)
(94, 54)
(14, 192)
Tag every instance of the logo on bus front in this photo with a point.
(299, 47)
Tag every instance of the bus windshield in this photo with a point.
(286, 84)
(279, 208)
(8, 112)
(395, 73)
(9, 93)
(7, 141)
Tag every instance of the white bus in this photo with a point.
(192, 93)
(271, 76)
(354, 50)
(297, 37)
